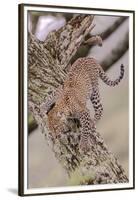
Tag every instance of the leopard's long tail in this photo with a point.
(109, 82)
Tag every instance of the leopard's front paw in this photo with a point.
(84, 145)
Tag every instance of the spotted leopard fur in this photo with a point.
(70, 99)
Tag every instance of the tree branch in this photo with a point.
(85, 48)
(116, 53)
(47, 62)
(112, 28)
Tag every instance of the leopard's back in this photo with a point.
(82, 75)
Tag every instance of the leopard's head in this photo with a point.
(57, 120)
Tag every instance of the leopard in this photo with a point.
(70, 99)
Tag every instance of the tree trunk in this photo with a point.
(47, 62)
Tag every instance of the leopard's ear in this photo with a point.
(60, 113)
(50, 108)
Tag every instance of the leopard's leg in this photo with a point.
(97, 105)
(88, 127)
(50, 101)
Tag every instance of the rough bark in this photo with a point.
(47, 62)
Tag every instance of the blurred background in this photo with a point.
(43, 168)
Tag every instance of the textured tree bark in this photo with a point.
(47, 62)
